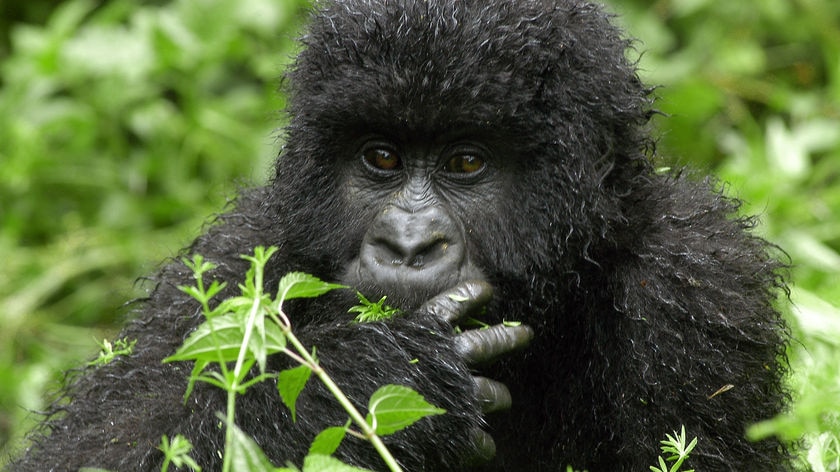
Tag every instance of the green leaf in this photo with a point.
(328, 440)
(394, 407)
(218, 339)
(322, 463)
(223, 341)
(178, 451)
(369, 312)
(109, 352)
(245, 454)
(268, 339)
(302, 285)
(198, 368)
(290, 383)
(234, 304)
(198, 265)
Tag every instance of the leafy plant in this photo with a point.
(246, 329)
(109, 352)
(177, 453)
(677, 452)
(369, 311)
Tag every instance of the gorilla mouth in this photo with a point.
(406, 287)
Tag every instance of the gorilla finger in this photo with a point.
(492, 396)
(484, 447)
(483, 345)
(460, 300)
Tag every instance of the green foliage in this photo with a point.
(243, 453)
(121, 347)
(123, 125)
(290, 383)
(328, 440)
(369, 311)
(752, 91)
(322, 463)
(177, 453)
(816, 387)
(677, 452)
(243, 331)
(393, 407)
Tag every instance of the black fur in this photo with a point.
(647, 292)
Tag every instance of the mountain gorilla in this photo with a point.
(485, 159)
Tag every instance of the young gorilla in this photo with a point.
(438, 148)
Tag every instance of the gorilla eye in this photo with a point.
(381, 159)
(464, 164)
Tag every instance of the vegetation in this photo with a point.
(241, 332)
(112, 157)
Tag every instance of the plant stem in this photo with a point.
(237, 370)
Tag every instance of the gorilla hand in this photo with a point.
(480, 346)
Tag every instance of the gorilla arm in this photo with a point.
(417, 350)
(692, 311)
(108, 425)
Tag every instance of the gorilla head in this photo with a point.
(498, 158)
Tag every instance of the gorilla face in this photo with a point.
(416, 244)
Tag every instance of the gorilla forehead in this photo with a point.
(372, 55)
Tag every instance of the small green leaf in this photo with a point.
(473, 322)
(268, 339)
(198, 368)
(198, 265)
(322, 463)
(245, 454)
(369, 311)
(214, 340)
(290, 383)
(302, 285)
(233, 304)
(220, 339)
(193, 292)
(328, 440)
(109, 352)
(394, 407)
(178, 451)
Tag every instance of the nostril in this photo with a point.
(410, 253)
(387, 252)
(429, 252)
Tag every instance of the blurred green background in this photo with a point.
(125, 125)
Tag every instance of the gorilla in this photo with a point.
(470, 159)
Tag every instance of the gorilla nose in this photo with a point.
(404, 246)
(410, 253)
